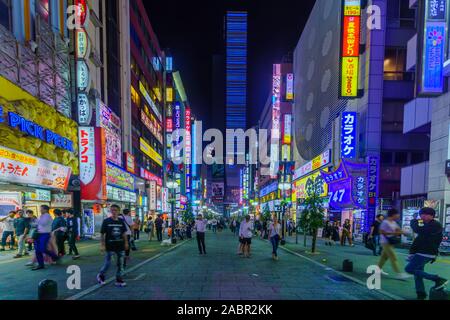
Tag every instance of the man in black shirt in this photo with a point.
(114, 241)
(59, 227)
(425, 249)
(375, 234)
(72, 232)
(159, 226)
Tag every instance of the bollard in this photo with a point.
(347, 265)
(47, 290)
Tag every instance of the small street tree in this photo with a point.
(188, 215)
(312, 217)
(266, 214)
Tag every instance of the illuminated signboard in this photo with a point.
(152, 125)
(82, 43)
(118, 177)
(149, 100)
(152, 195)
(276, 100)
(176, 125)
(287, 135)
(108, 120)
(351, 27)
(290, 87)
(35, 130)
(121, 195)
(169, 125)
(317, 163)
(372, 187)
(83, 77)
(169, 64)
(348, 135)
(150, 152)
(147, 175)
(130, 163)
(169, 94)
(308, 185)
(434, 44)
(84, 109)
(18, 167)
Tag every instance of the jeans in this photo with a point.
(275, 240)
(5, 236)
(21, 245)
(376, 244)
(72, 244)
(159, 234)
(40, 248)
(416, 267)
(120, 256)
(201, 242)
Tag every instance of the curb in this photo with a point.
(108, 281)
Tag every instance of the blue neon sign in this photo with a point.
(348, 135)
(433, 64)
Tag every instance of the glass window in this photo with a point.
(5, 14)
(395, 64)
(401, 158)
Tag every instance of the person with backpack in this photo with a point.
(390, 233)
(424, 250)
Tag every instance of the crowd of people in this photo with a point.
(46, 234)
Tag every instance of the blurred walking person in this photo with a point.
(275, 236)
(136, 228)
(73, 234)
(347, 233)
(246, 233)
(125, 216)
(22, 227)
(8, 230)
(159, 222)
(374, 235)
(44, 229)
(200, 228)
(59, 227)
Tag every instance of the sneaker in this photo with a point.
(76, 257)
(120, 283)
(383, 272)
(101, 279)
(440, 283)
(17, 256)
(402, 276)
(29, 264)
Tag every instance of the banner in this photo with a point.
(18, 167)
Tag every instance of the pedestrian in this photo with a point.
(31, 221)
(72, 233)
(374, 234)
(424, 250)
(233, 226)
(264, 229)
(125, 216)
(150, 226)
(8, 230)
(159, 227)
(347, 233)
(136, 228)
(22, 227)
(200, 228)
(275, 236)
(289, 227)
(335, 233)
(327, 233)
(389, 236)
(246, 233)
(238, 226)
(44, 238)
(59, 227)
(114, 241)
(214, 225)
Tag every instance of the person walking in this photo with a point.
(275, 236)
(136, 228)
(328, 233)
(347, 233)
(374, 234)
(22, 227)
(73, 235)
(150, 227)
(125, 216)
(390, 233)
(245, 234)
(8, 230)
(31, 221)
(335, 233)
(44, 229)
(200, 228)
(424, 250)
(59, 227)
(159, 222)
(263, 229)
(114, 241)
(214, 225)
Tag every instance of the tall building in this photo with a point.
(236, 95)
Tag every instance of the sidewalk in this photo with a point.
(18, 282)
(362, 258)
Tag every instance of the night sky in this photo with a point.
(193, 31)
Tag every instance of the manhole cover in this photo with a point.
(338, 278)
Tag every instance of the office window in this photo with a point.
(5, 14)
(399, 15)
(43, 8)
(395, 64)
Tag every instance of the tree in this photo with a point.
(266, 214)
(188, 215)
(312, 217)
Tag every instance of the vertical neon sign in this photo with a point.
(351, 27)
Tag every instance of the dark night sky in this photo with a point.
(193, 30)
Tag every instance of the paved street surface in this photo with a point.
(18, 282)
(221, 274)
(362, 258)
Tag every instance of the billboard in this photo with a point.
(349, 135)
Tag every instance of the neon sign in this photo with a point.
(348, 135)
(351, 27)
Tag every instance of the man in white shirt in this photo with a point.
(245, 234)
(200, 227)
(214, 225)
(8, 230)
(44, 229)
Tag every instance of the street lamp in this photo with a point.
(172, 185)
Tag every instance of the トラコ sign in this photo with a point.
(18, 167)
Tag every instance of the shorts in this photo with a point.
(246, 241)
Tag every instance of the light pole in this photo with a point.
(172, 185)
